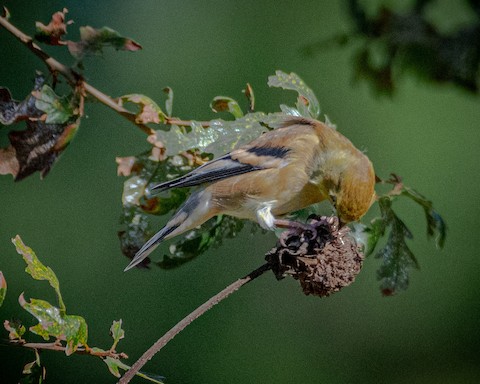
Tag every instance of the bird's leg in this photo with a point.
(268, 221)
(295, 225)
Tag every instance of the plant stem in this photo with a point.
(81, 351)
(182, 324)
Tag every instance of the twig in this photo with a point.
(56, 346)
(182, 324)
(76, 79)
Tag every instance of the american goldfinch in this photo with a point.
(289, 168)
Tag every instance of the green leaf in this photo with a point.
(396, 256)
(150, 112)
(3, 288)
(435, 224)
(92, 41)
(169, 101)
(15, 329)
(226, 104)
(116, 332)
(375, 232)
(51, 323)
(59, 110)
(37, 270)
(307, 104)
(114, 366)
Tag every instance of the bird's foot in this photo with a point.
(295, 226)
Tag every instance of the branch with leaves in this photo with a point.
(175, 147)
(69, 332)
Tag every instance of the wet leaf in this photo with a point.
(197, 241)
(226, 104)
(53, 32)
(116, 332)
(3, 288)
(15, 329)
(52, 323)
(135, 233)
(307, 103)
(93, 41)
(133, 190)
(37, 269)
(150, 112)
(221, 137)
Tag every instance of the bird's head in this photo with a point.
(355, 192)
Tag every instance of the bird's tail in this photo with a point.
(193, 213)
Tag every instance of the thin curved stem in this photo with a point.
(182, 324)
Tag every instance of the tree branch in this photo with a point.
(181, 325)
(76, 79)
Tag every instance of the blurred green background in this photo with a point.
(268, 332)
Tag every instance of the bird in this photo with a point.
(300, 163)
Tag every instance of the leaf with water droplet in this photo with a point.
(307, 103)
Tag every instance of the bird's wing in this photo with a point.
(217, 169)
(273, 149)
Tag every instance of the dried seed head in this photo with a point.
(321, 256)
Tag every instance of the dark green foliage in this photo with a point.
(397, 258)
(397, 42)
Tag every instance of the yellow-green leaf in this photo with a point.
(37, 269)
(15, 329)
(117, 332)
(51, 323)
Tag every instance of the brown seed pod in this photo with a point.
(321, 256)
